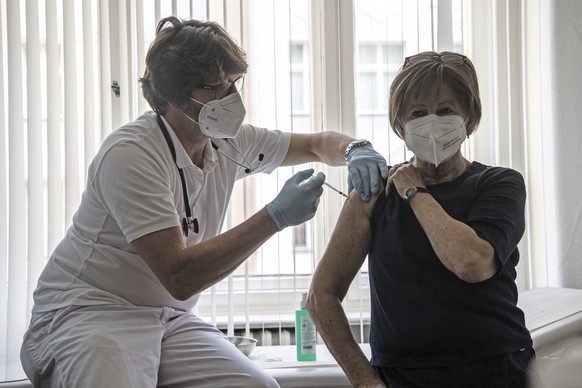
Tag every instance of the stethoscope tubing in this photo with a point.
(189, 220)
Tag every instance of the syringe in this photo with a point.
(334, 189)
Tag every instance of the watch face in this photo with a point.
(410, 192)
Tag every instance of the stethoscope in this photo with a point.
(189, 222)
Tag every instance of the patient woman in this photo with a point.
(442, 249)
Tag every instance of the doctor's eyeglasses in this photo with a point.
(223, 89)
(447, 58)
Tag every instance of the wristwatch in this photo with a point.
(354, 144)
(411, 192)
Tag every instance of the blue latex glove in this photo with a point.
(365, 168)
(298, 199)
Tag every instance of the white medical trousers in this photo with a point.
(126, 346)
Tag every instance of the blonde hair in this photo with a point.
(432, 69)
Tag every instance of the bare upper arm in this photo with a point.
(160, 250)
(347, 248)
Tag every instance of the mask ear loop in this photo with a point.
(198, 102)
(191, 119)
(194, 121)
(248, 168)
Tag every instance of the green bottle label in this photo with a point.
(308, 335)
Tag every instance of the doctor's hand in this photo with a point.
(366, 168)
(298, 199)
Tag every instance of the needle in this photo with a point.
(334, 189)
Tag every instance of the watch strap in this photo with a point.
(354, 144)
(412, 191)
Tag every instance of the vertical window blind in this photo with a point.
(69, 73)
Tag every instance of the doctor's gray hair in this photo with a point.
(184, 55)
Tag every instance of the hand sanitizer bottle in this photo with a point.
(305, 333)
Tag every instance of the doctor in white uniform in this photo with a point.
(113, 304)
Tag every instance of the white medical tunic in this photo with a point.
(134, 188)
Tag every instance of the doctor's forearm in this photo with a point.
(201, 266)
(325, 147)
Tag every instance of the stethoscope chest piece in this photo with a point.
(190, 223)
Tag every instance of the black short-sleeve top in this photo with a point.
(422, 314)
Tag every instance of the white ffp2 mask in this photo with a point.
(221, 119)
(435, 139)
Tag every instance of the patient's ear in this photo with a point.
(470, 127)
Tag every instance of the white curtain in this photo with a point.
(42, 143)
(554, 91)
(60, 59)
(495, 43)
(527, 55)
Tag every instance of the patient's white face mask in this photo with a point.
(435, 139)
(221, 119)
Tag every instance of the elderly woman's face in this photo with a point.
(438, 100)
(434, 125)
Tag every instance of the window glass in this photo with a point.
(277, 96)
(297, 53)
(367, 91)
(367, 54)
(386, 32)
(298, 91)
